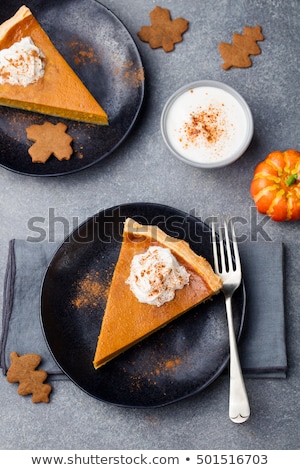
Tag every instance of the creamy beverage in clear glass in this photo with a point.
(206, 125)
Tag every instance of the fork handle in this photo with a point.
(239, 409)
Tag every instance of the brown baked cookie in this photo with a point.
(243, 45)
(163, 32)
(22, 370)
(50, 139)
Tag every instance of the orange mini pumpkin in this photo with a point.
(275, 187)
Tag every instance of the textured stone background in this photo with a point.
(143, 170)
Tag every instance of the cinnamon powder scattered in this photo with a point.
(91, 291)
(133, 75)
(206, 124)
(127, 70)
(130, 73)
(85, 57)
(162, 367)
(83, 54)
(172, 364)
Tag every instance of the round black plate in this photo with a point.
(104, 55)
(177, 361)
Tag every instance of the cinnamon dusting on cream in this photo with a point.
(207, 124)
(155, 276)
(22, 63)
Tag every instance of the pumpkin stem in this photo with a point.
(291, 180)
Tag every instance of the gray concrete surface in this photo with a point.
(143, 170)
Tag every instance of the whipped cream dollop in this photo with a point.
(155, 276)
(21, 64)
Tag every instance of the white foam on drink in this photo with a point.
(206, 125)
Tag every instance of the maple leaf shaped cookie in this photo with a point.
(163, 32)
(243, 45)
(49, 139)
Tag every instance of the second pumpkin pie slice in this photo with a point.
(58, 91)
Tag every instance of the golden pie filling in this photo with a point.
(129, 317)
(57, 90)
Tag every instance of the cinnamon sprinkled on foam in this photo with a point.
(205, 124)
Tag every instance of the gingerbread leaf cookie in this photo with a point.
(50, 139)
(243, 45)
(23, 370)
(163, 32)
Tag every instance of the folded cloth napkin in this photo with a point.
(262, 345)
(21, 327)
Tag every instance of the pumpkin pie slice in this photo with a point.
(127, 319)
(59, 91)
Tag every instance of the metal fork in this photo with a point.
(228, 266)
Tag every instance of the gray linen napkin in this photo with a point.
(21, 328)
(262, 345)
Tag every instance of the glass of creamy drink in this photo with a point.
(207, 124)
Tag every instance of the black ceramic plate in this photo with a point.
(103, 54)
(177, 361)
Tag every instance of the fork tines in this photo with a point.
(225, 249)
